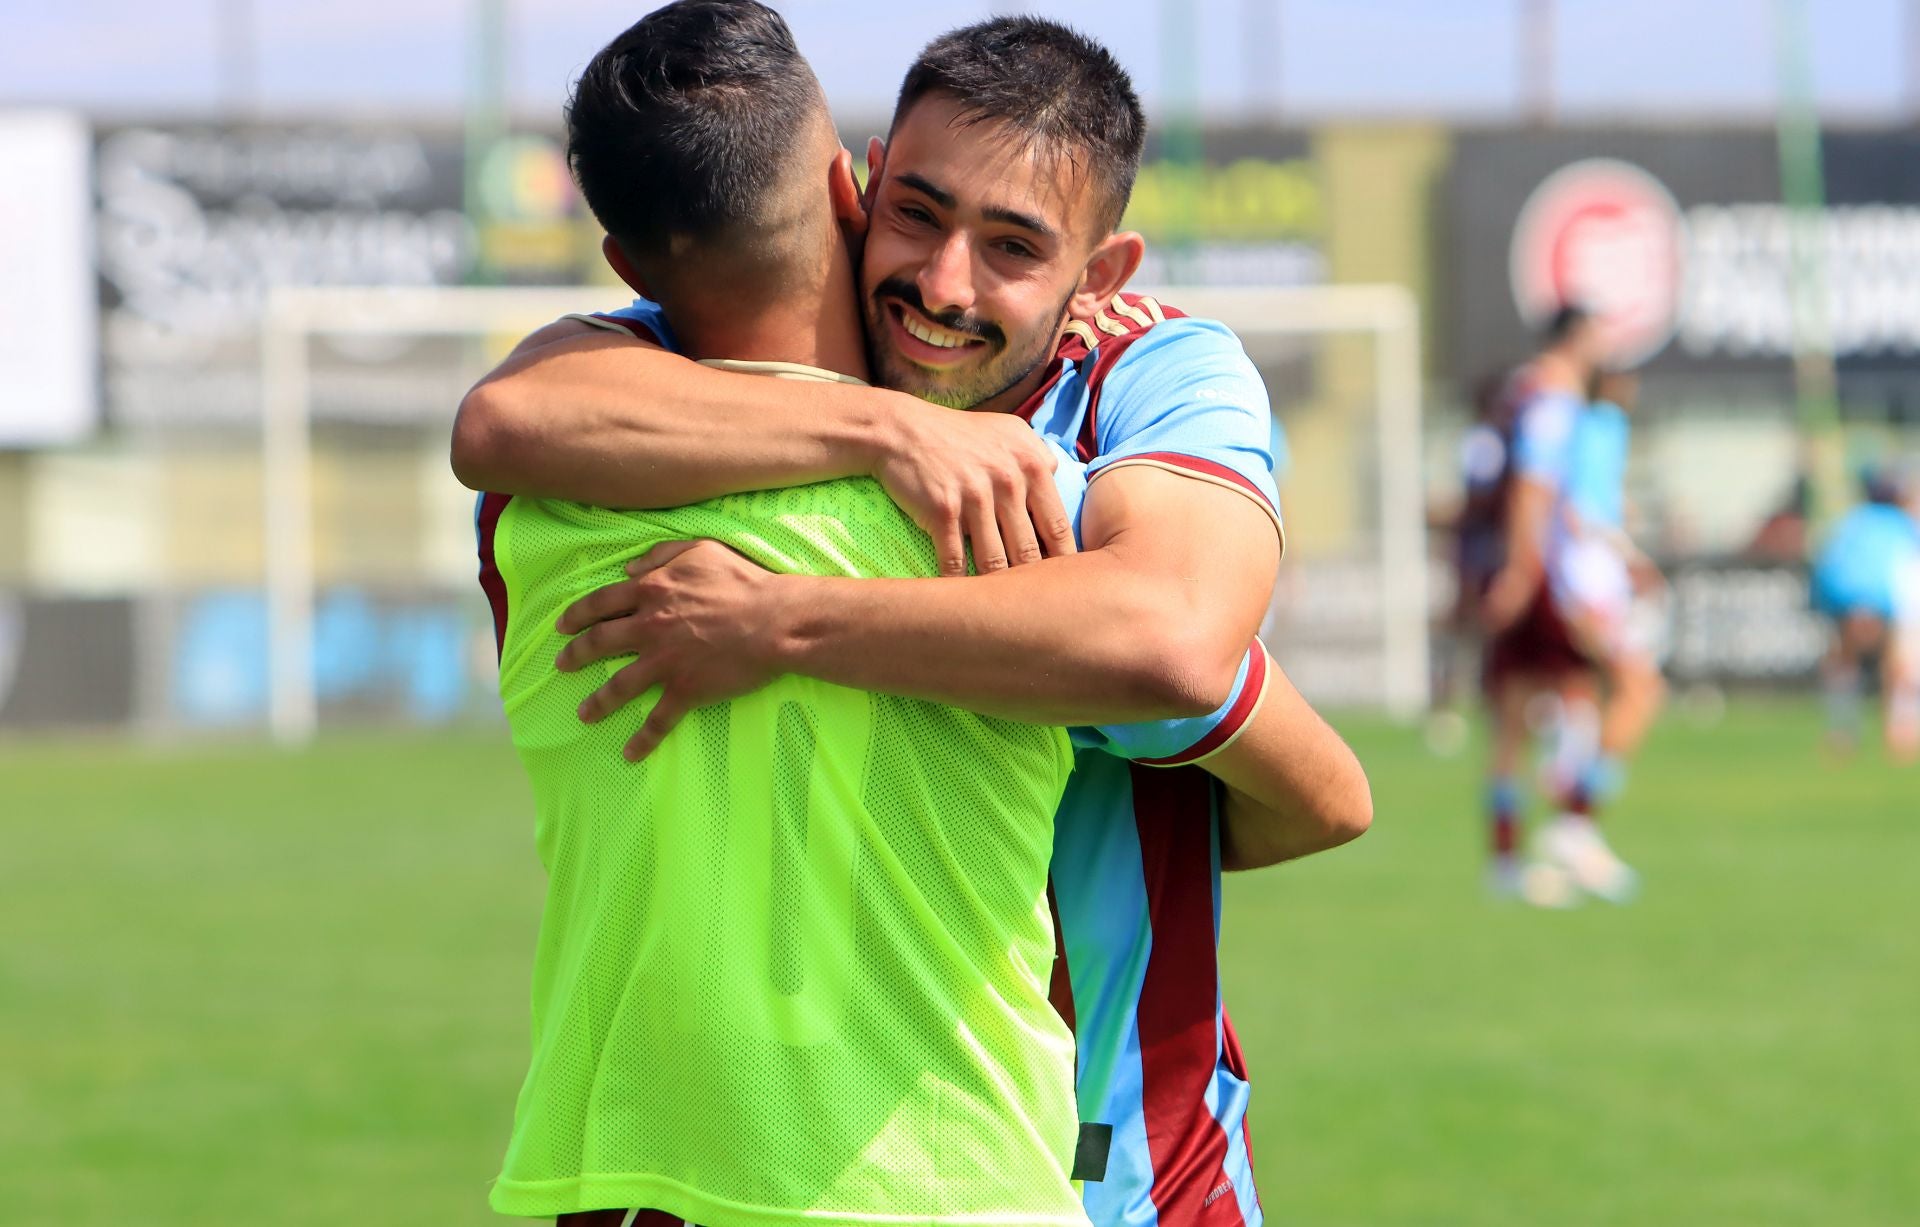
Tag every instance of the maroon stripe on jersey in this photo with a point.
(1209, 468)
(1031, 405)
(1105, 358)
(1060, 987)
(1179, 1035)
(491, 583)
(1235, 719)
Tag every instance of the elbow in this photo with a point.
(1184, 675)
(1351, 814)
(1346, 802)
(479, 438)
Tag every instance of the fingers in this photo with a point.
(1016, 530)
(1050, 517)
(659, 556)
(627, 684)
(601, 641)
(616, 600)
(660, 721)
(983, 533)
(950, 544)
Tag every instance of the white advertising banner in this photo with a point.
(49, 321)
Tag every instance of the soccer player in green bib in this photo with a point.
(793, 967)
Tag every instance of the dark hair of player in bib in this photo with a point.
(684, 133)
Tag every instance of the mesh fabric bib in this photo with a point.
(793, 967)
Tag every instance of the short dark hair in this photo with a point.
(1052, 84)
(686, 123)
(1568, 319)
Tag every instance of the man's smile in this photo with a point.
(925, 343)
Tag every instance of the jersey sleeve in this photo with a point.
(643, 321)
(1176, 743)
(1070, 482)
(1184, 396)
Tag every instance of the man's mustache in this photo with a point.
(953, 321)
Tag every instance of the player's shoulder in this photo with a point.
(643, 320)
(1549, 414)
(1140, 340)
(1131, 328)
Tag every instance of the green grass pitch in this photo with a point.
(240, 986)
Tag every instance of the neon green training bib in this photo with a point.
(792, 968)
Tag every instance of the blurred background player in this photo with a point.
(1478, 528)
(1531, 650)
(1864, 580)
(1595, 574)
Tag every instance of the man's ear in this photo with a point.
(876, 167)
(844, 194)
(1111, 266)
(623, 266)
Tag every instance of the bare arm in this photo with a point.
(595, 416)
(1529, 505)
(584, 413)
(1150, 622)
(1293, 786)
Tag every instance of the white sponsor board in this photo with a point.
(49, 331)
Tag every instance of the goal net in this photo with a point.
(359, 386)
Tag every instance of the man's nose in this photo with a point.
(946, 280)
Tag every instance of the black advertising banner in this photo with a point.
(1649, 229)
(1680, 242)
(198, 223)
(66, 662)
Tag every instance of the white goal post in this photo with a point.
(295, 316)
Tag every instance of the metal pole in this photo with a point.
(1403, 553)
(1260, 45)
(1803, 190)
(1536, 60)
(1911, 41)
(286, 472)
(1179, 65)
(486, 109)
(234, 19)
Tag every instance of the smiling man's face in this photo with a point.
(976, 241)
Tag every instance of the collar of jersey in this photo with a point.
(782, 370)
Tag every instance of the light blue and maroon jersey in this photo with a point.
(1136, 864)
(1136, 868)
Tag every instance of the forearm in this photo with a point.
(1293, 786)
(1086, 639)
(603, 419)
(1530, 508)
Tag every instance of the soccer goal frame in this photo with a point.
(1388, 316)
(294, 317)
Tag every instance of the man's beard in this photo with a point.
(1011, 360)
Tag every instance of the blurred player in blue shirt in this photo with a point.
(1550, 609)
(1595, 573)
(1866, 578)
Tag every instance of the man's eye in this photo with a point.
(914, 213)
(1014, 247)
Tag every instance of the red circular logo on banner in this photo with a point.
(1608, 236)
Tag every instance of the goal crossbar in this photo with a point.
(295, 315)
